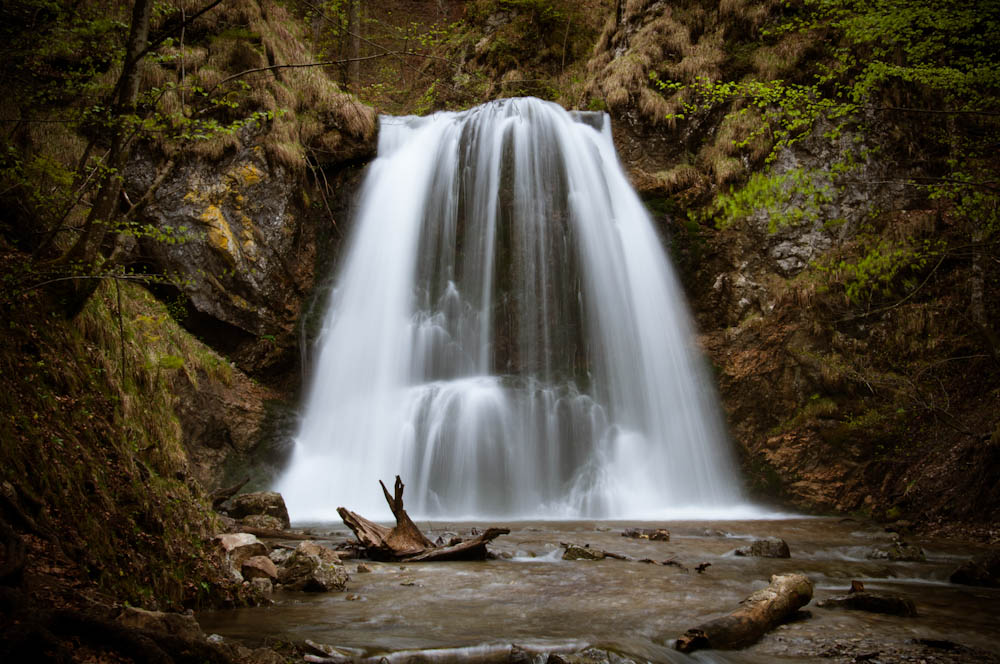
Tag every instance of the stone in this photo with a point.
(589, 656)
(313, 569)
(262, 502)
(654, 534)
(325, 554)
(177, 624)
(770, 547)
(574, 552)
(262, 585)
(279, 556)
(259, 567)
(363, 569)
(239, 547)
(982, 570)
(892, 605)
(897, 551)
(262, 521)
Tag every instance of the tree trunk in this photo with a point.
(354, 45)
(85, 251)
(758, 614)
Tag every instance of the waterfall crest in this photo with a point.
(507, 334)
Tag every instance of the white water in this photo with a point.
(507, 334)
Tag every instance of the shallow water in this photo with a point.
(529, 596)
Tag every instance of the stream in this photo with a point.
(529, 596)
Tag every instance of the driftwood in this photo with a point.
(761, 612)
(220, 496)
(405, 542)
(271, 533)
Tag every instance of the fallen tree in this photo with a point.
(758, 614)
(405, 542)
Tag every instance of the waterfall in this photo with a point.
(507, 334)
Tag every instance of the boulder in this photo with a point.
(313, 568)
(770, 547)
(177, 624)
(897, 551)
(655, 534)
(980, 571)
(239, 547)
(892, 605)
(269, 503)
(259, 567)
(262, 521)
(574, 552)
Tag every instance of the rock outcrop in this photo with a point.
(261, 503)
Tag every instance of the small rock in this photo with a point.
(325, 554)
(263, 521)
(363, 569)
(654, 534)
(313, 568)
(262, 585)
(262, 502)
(771, 547)
(873, 603)
(898, 551)
(980, 571)
(178, 624)
(239, 547)
(574, 552)
(258, 567)
(280, 555)
(353, 597)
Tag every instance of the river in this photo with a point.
(529, 596)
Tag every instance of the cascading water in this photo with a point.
(507, 335)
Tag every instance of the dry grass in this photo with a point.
(306, 105)
(771, 62)
(680, 177)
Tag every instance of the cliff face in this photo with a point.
(845, 307)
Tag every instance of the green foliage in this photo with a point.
(790, 198)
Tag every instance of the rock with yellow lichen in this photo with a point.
(237, 237)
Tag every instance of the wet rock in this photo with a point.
(262, 585)
(448, 539)
(313, 568)
(589, 656)
(269, 503)
(654, 534)
(280, 555)
(892, 605)
(363, 569)
(259, 567)
(262, 521)
(574, 552)
(770, 547)
(177, 624)
(324, 553)
(897, 551)
(980, 571)
(239, 547)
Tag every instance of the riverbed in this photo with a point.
(529, 596)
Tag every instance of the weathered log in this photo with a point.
(270, 533)
(761, 612)
(473, 549)
(405, 542)
(220, 496)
